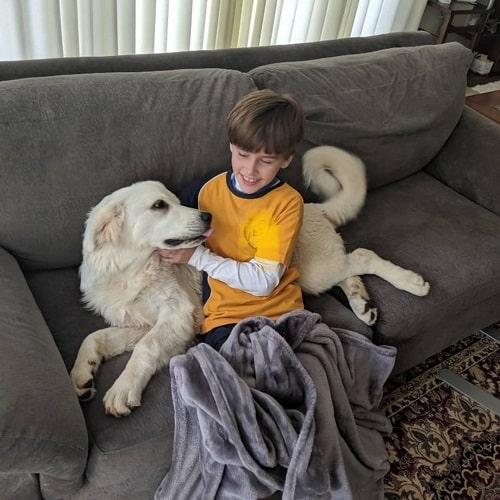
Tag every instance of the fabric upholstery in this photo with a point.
(423, 225)
(382, 106)
(469, 162)
(121, 449)
(69, 322)
(244, 59)
(102, 132)
(41, 426)
(21, 486)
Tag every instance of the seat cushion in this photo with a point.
(134, 451)
(129, 456)
(423, 225)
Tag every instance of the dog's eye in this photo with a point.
(159, 205)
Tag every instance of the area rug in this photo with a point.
(443, 444)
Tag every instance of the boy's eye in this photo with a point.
(243, 155)
(268, 160)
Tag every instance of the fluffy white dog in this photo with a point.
(154, 309)
(339, 178)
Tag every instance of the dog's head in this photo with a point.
(145, 215)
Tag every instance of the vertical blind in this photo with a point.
(31, 29)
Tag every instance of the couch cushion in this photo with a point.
(58, 297)
(41, 426)
(395, 107)
(132, 450)
(240, 59)
(67, 141)
(423, 225)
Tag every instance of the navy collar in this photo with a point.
(232, 184)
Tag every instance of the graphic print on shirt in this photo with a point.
(260, 232)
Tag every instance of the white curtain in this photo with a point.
(374, 17)
(32, 29)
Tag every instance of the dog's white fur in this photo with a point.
(339, 178)
(155, 310)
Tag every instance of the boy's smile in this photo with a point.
(255, 170)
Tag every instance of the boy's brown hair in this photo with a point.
(266, 120)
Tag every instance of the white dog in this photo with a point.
(155, 309)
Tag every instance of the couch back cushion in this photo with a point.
(241, 58)
(67, 141)
(394, 107)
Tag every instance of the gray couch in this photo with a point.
(73, 130)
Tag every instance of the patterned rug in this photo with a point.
(443, 444)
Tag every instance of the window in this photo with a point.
(56, 28)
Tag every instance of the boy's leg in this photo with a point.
(216, 337)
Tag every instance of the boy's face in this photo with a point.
(254, 171)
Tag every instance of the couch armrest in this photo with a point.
(469, 162)
(42, 429)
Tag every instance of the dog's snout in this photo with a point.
(206, 217)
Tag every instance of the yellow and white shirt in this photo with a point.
(247, 259)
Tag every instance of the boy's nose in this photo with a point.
(252, 166)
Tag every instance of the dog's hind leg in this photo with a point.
(359, 300)
(363, 261)
(96, 347)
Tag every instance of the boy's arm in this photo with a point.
(258, 277)
(262, 274)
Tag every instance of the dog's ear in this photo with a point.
(103, 225)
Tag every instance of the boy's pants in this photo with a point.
(217, 336)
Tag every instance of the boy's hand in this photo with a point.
(180, 256)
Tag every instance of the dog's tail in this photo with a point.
(337, 177)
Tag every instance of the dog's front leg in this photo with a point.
(154, 351)
(99, 345)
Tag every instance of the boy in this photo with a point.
(256, 218)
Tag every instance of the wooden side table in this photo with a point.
(487, 104)
(456, 18)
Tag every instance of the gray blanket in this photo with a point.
(287, 406)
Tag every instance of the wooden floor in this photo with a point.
(487, 104)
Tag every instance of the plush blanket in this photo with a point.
(288, 407)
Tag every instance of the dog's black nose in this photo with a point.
(206, 217)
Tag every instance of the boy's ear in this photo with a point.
(287, 161)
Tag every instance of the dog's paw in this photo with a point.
(424, 289)
(415, 284)
(83, 380)
(365, 310)
(121, 399)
